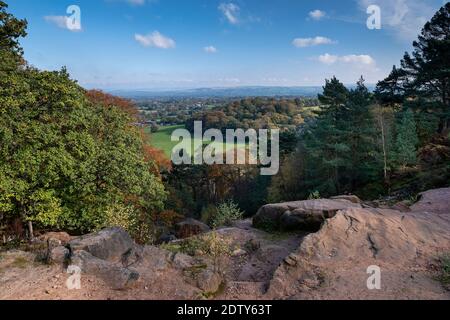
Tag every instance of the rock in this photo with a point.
(116, 276)
(351, 198)
(239, 253)
(183, 261)
(300, 215)
(191, 227)
(354, 239)
(401, 206)
(155, 258)
(436, 201)
(59, 255)
(166, 238)
(209, 281)
(61, 237)
(112, 244)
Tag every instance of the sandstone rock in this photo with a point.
(155, 258)
(62, 237)
(209, 281)
(116, 276)
(355, 239)
(166, 238)
(436, 201)
(239, 253)
(59, 255)
(112, 244)
(191, 227)
(300, 215)
(351, 198)
(183, 261)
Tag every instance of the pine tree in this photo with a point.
(363, 165)
(407, 140)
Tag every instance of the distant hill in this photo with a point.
(256, 91)
(221, 92)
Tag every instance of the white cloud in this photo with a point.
(309, 42)
(405, 18)
(61, 22)
(360, 60)
(210, 49)
(317, 14)
(328, 58)
(156, 40)
(230, 11)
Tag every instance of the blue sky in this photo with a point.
(155, 44)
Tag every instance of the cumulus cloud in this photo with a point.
(156, 40)
(317, 14)
(361, 60)
(230, 11)
(210, 49)
(405, 18)
(309, 42)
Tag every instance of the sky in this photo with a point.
(170, 44)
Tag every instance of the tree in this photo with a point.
(360, 131)
(407, 140)
(326, 143)
(425, 74)
(11, 30)
(66, 159)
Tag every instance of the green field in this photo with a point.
(162, 140)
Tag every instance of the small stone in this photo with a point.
(239, 253)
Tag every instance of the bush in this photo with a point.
(208, 213)
(227, 213)
(140, 226)
(444, 277)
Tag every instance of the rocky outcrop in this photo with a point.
(113, 244)
(190, 227)
(61, 237)
(300, 215)
(116, 276)
(336, 258)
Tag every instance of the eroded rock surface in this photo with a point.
(332, 263)
(300, 215)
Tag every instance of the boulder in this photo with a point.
(183, 261)
(209, 281)
(58, 255)
(166, 238)
(61, 237)
(116, 276)
(112, 244)
(190, 227)
(155, 258)
(300, 215)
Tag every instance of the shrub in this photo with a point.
(227, 213)
(140, 226)
(208, 213)
(445, 270)
(315, 195)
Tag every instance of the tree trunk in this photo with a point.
(383, 139)
(30, 230)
